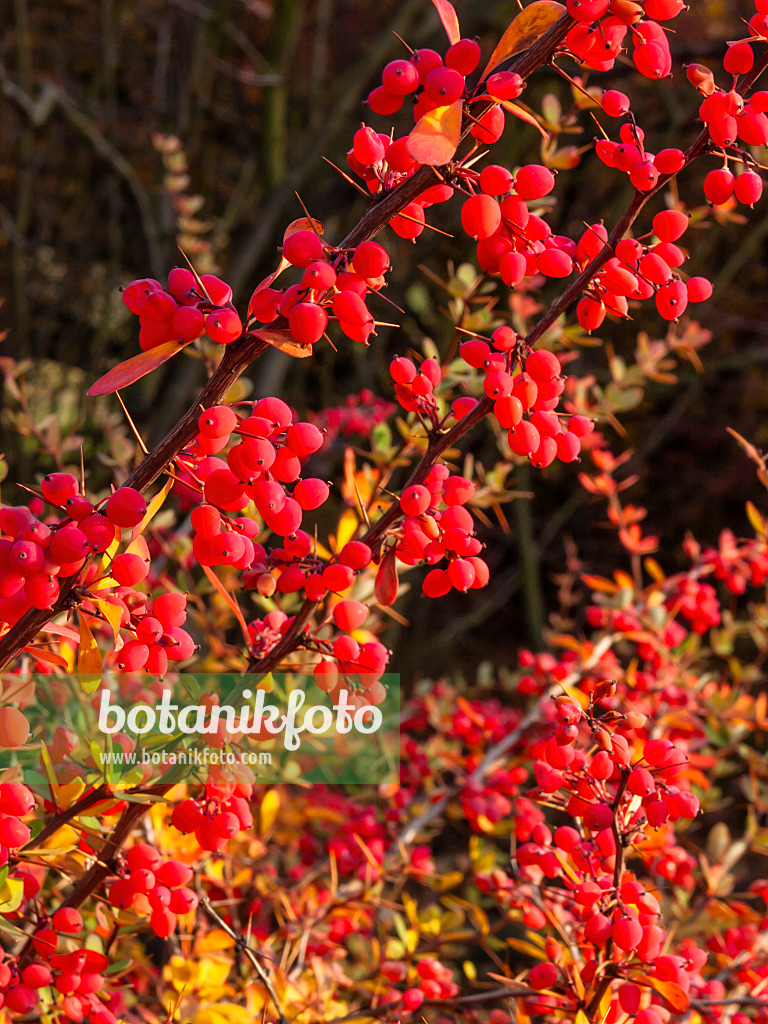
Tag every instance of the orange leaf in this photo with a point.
(283, 340)
(671, 993)
(303, 224)
(524, 31)
(598, 583)
(235, 607)
(436, 137)
(385, 587)
(44, 655)
(449, 20)
(135, 368)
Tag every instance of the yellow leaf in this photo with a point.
(624, 580)
(436, 137)
(526, 947)
(303, 224)
(111, 613)
(757, 521)
(270, 805)
(153, 508)
(347, 528)
(88, 658)
(110, 553)
(214, 941)
(524, 31)
(654, 570)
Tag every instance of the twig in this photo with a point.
(249, 952)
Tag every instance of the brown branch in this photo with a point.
(250, 953)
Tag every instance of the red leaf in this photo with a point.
(436, 137)
(385, 587)
(524, 31)
(449, 20)
(135, 368)
(282, 339)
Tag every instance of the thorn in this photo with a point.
(408, 48)
(330, 342)
(199, 283)
(82, 471)
(37, 494)
(363, 512)
(132, 425)
(309, 218)
(382, 296)
(346, 177)
(599, 126)
(424, 224)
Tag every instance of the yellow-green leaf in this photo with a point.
(88, 658)
(11, 895)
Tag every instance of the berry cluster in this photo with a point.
(191, 307)
(429, 534)
(257, 469)
(332, 280)
(36, 553)
(59, 963)
(149, 884)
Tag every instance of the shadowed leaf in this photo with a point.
(282, 339)
(524, 31)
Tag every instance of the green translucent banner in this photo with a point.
(133, 730)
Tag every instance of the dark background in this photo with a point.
(257, 92)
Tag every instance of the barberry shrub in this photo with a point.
(555, 851)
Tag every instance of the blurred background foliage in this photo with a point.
(130, 126)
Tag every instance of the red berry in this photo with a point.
(223, 326)
(400, 77)
(480, 216)
(126, 507)
(534, 181)
(463, 56)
